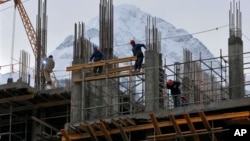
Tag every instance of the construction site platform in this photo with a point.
(20, 103)
(108, 73)
(198, 122)
(24, 97)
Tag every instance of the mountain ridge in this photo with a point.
(129, 23)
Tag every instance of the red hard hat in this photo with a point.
(170, 82)
(132, 42)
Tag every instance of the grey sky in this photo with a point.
(192, 15)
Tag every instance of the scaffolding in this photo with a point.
(116, 101)
(206, 83)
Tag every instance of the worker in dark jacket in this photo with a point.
(136, 49)
(49, 65)
(97, 56)
(175, 91)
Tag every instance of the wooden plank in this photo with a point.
(83, 66)
(131, 121)
(186, 133)
(100, 63)
(204, 120)
(65, 135)
(176, 127)
(115, 70)
(114, 122)
(16, 98)
(155, 123)
(123, 133)
(92, 133)
(207, 125)
(83, 127)
(112, 70)
(167, 124)
(191, 127)
(105, 131)
(96, 125)
(101, 77)
(121, 60)
(40, 105)
(123, 122)
(95, 64)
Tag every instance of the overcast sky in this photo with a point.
(192, 15)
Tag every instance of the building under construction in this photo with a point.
(121, 104)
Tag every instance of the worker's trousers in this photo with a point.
(47, 76)
(138, 62)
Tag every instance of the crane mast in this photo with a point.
(34, 42)
(27, 26)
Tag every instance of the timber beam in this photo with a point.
(100, 63)
(184, 133)
(191, 127)
(166, 123)
(114, 70)
(16, 98)
(101, 77)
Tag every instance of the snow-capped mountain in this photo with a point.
(129, 23)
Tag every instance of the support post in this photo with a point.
(152, 72)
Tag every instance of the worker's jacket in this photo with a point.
(137, 50)
(49, 65)
(97, 55)
(175, 90)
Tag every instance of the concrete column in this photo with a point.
(236, 72)
(103, 98)
(76, 96)
(152, 88)
(37, 128)
(97, 100)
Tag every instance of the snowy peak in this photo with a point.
(68, 42)
(130, 23)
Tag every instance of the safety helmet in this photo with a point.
(95, 48)
(50, 56)
(132, 42)
(170, 82)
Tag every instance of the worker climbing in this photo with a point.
(136, 49)
(97, 56)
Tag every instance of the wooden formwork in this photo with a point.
(124, 71)
(123, 126)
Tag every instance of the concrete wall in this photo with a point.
(102, 96)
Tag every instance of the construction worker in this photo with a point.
(49, 65)
(175, 91)
(97, 56)
(136, 49)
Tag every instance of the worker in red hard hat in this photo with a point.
(175, 91)
(136, 49)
